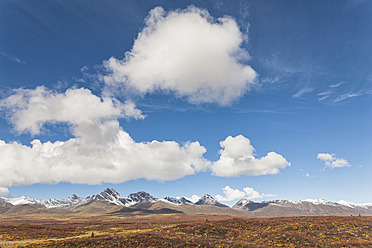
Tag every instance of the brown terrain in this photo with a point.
(116, 228)
(149, 222)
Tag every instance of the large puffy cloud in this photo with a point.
(331, 161)
(100, 150)
(237, 158)
(231, 194)
(78, 161)
(186, 52)
(29, 109)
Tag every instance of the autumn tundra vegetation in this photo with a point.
(182, 230)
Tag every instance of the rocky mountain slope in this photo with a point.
(209, 200)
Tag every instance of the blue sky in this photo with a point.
(289, 77)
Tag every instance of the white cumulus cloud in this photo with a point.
(331, 161)
(193, 198)
(237, 158)
(4, 192)
(113, 160)
(99, 151)
(185, 52)
(234, 194)
(29, 109)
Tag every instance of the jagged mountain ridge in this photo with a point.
(70, 201)
(245, 206)
(112, 196)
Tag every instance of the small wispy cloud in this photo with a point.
(324, 95)
(348, 95)
(218, 4)
(323, 98)
(280, 66)
(309, 175)
(270, 80)
(238, 110)
(244, 9)
(12, 58)
(352, 4)
(335, 93)
(336, 85)
(302, 92)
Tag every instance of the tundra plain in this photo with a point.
(183, 230)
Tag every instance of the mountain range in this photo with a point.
(111, 202)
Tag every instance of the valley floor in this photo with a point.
(180, 230)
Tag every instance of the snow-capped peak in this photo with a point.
(113, 196)
(242, 202)
(20, 200)
(110, 194)
(353, 205)
(208, 200)
(347, 204)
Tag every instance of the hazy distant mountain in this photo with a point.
(304, 207)
(354, 205)
(110, 201)
(56, 203)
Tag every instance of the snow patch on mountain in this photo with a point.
(209, 200)
(355, 205)
(20, 200)
(176, 201)
(318, 201)
(111, 195)
(70, 201)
